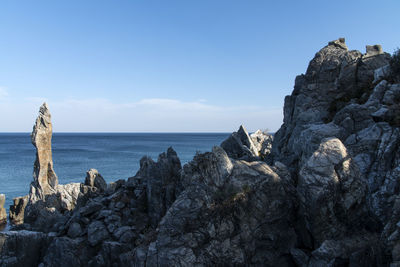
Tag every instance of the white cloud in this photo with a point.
(146, 115)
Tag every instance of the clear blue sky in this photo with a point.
(170, 65)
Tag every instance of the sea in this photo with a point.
(115, 155)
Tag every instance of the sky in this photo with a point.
(170, 66)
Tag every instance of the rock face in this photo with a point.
(162, 182)
(3, 213)
(241, 145)
(94, 179)
(17, 210)
(43, 209)
(331, 193)
(324, 192)
(44, 178)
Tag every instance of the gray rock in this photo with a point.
(239, 145)
(94, 179)
(97, 232)
(74, 230)
(91, 207)
(22, 248)
(162, 182)
(331, 193)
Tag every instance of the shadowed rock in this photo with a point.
(17, 210)
(94, 179)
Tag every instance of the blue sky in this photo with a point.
(170, 66)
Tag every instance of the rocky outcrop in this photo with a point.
(331, 193)
(17, 210)
(3, 213)
(326, 193)
(230, 213)
(44, 178)
(335, 78)
(45, 206)
(241, 145)
(94, 179)
(162, 180)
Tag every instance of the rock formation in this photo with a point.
(94, 179)
(3, 213)
(323, 192)
(241, 145)
(44, 178)
(17, 210)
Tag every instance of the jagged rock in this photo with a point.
(45, 179)
(162, 182)
(331, 193)
(241, 218)
(331, 196)
(262, 142)
(240, 145)
(3, 213)
(17, 210)
(382, 73)
(334, 77)
(94, 179)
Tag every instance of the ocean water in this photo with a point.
(115, 155)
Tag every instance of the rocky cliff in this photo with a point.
(324, 191)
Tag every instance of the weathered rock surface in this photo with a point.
(3, 213)
(324, 192)
(162, 180)
(45, 180)
(331, 193)
(241, 145)
(17, 210)
(94, 179)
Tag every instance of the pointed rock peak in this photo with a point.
(43, 174)
(339, 43)
(242, 130)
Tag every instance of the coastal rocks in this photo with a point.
(330, 197)
(331, 193)
(22, 248)
(17, 210)
(263, 143)
(162, 181)
(335, 78)
(240, 145)
(239, 216)
(94, 179)
(3, 213)
(45, 179)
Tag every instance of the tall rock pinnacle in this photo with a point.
(44, 176)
